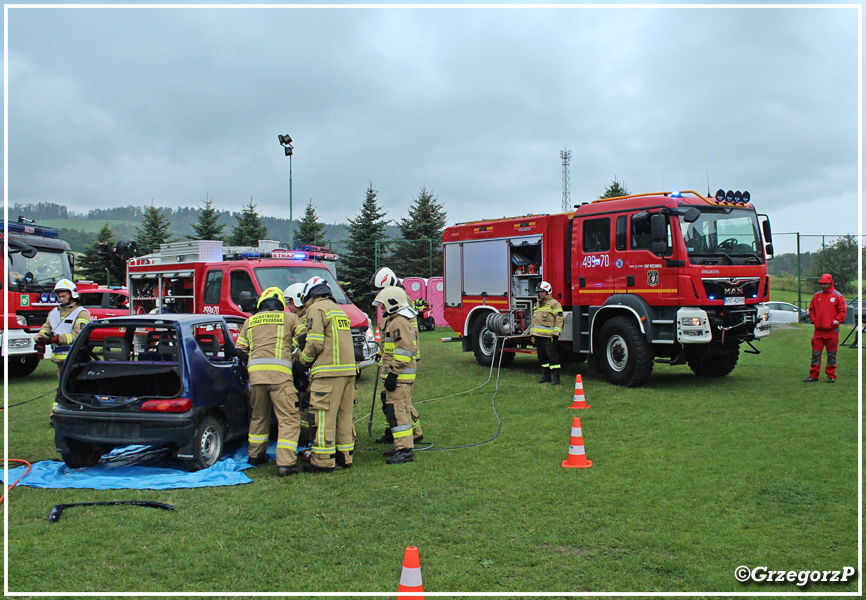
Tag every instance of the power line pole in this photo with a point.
(565, 155)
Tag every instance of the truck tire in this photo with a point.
(482, 345)
(623, 353)
(81, 455)
(23, 365)
(208, 442)
(715, 365)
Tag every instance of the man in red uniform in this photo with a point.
(826, 311)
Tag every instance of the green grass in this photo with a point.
(690, 479)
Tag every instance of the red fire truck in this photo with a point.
(664, 277)
(206, 277)
(37, 260)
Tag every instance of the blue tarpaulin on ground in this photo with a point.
(139, 468)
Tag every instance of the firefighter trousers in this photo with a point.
(284, 400)
(548, 355)
(821, 340)
(401, 416)
(331, 401)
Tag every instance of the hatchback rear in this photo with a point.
(156, 380)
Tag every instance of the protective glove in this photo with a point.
(40, 341)
(555, 339)
(55, 340)
(299, 374)
(242, 356)
(391, 382)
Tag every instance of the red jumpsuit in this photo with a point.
(826, 311)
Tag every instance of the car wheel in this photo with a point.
(207, 444)
(81, 455)
(22, 366)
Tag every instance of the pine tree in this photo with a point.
(419, 253)
(310, 230)
(359, 260)
(207, 227)
(249, 229)
(153, 231)
(90, 265)
(616, 189)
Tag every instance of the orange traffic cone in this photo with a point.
(410, 579)
(378, 335)
(579, 400)
(576, 453)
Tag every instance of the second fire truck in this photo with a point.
(663, 277)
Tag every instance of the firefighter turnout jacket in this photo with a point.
(267, 338)
(329, 348)
(66, 322)
(399, 346)
(547, 321)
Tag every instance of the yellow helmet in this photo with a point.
(272, 292)
(392, 299)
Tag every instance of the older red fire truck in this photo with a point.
(664, 277)
(206, 277)
(37, 260)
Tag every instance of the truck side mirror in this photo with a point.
(350, 295)
(659, 235)
(768, 235)
(247, 301)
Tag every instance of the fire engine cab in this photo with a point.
(664, 277)
(205, 277)
(37, 260)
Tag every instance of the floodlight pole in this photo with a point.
(286, 143)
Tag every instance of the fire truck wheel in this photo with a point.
(482, 345)
(22, 366)
(623, 354)
(717, 365)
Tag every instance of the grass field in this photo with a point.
(690, 479)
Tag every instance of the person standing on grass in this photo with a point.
(547, 322)
(826, 311)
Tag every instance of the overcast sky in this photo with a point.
(118, 106)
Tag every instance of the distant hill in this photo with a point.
(79, 229)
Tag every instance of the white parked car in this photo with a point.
(785, 312)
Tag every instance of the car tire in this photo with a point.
(208, 443)
(623, 353)
(482, 345)
(23, 365)
(81, 455)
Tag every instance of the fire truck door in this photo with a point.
(623, 280)
(594, 264)
(653, 278)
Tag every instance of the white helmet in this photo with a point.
(295, 294)
(383, 278)
(392, 299)
(315, 287)
(65, 284)
(544, 287)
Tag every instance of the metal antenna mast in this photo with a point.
(565, 155)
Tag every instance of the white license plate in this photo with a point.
(735, 300)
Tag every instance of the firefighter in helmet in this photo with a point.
(398, 371)
(330, 354)
(547, 321)
(63, 324)
(294, 295)
(266, 338)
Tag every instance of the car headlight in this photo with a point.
(690, 322)
(21, 320)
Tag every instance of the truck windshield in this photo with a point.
(46, 268)
(283, 277)
(723, 235)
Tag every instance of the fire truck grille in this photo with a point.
(35, 318)
(721, 288)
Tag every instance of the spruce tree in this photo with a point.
(249, 229)
(208, 227)
(419, 253)
(90, 266)
(359, 261)
(310, 230)
(153, 231)
(616, 189)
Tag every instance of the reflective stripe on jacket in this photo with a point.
(267, 338)
(547, 320)
(66, 322)
(399, 345)
(329, 348)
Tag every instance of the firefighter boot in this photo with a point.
(546, 377)
(387, 437)
(400, 457)
(288, 470)
(555, 377)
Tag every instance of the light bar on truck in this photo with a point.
(28, 229)
(732, 198)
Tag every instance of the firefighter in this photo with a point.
(294, 295)
(382, 279)
(63, 325)
(547, 321)
(330, 354)
(398, 373)
(266, 338)
(826, 311)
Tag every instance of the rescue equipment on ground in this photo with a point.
(57, 511)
